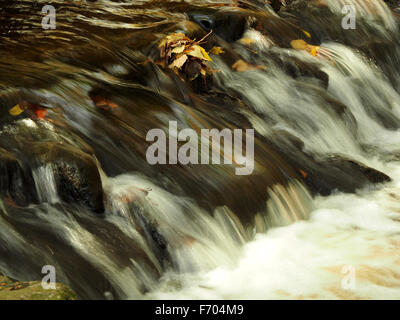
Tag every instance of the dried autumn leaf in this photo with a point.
(16, 110)
(178, 63)
(308, 35)
(199, 52)
(174, 37)
(103, 103)
(299, 44)
(179, 49)
(41, 113)
(243, 66)
(303, 173)
(247, 41)
(302, 45)
(217, 50)
(314, 50)
(185, 57)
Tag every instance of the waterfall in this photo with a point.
(82, 197)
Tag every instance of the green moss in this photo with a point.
(33, 290)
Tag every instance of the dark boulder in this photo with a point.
(326, 174)
(76, 174)
(229, 25)
(15, 181)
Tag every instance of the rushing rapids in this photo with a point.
(78, 193)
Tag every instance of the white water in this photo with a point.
(308, 259)
(215, 257)
(311, 259)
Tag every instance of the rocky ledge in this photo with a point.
(32, 290)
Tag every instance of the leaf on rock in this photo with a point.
(199, 52)
(185, 56)
(103, 103)
(302, 45)
(299, 44)
(41, 114)
(217, 50)
(16, 110)
(247, 41)
(303, 173)
(179, 62)
(243, 66)
(179, 49)
(308, 35)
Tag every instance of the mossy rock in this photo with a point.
(32, 290)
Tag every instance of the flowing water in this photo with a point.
(292, 230)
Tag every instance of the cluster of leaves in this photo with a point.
(186, 56)
(34, 111)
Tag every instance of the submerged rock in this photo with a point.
(76, 175)
(325, 175)
(30, 150)
(15, 181)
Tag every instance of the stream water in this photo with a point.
(294, 229)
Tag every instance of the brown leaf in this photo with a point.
(179, 49)
(179, 62)
(242, 66)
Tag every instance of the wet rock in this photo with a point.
(392, 3)
(15, 181)
(76, 175)
(296, 68)
(229, 25)
(276, 4)
(371, 174)
(326, 174)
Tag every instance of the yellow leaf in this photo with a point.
(247, 41)
(299, 44)
(16, 110)
(314, 50)
(306, 33)
(199, 52)
(217, 50)
(302, 45)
